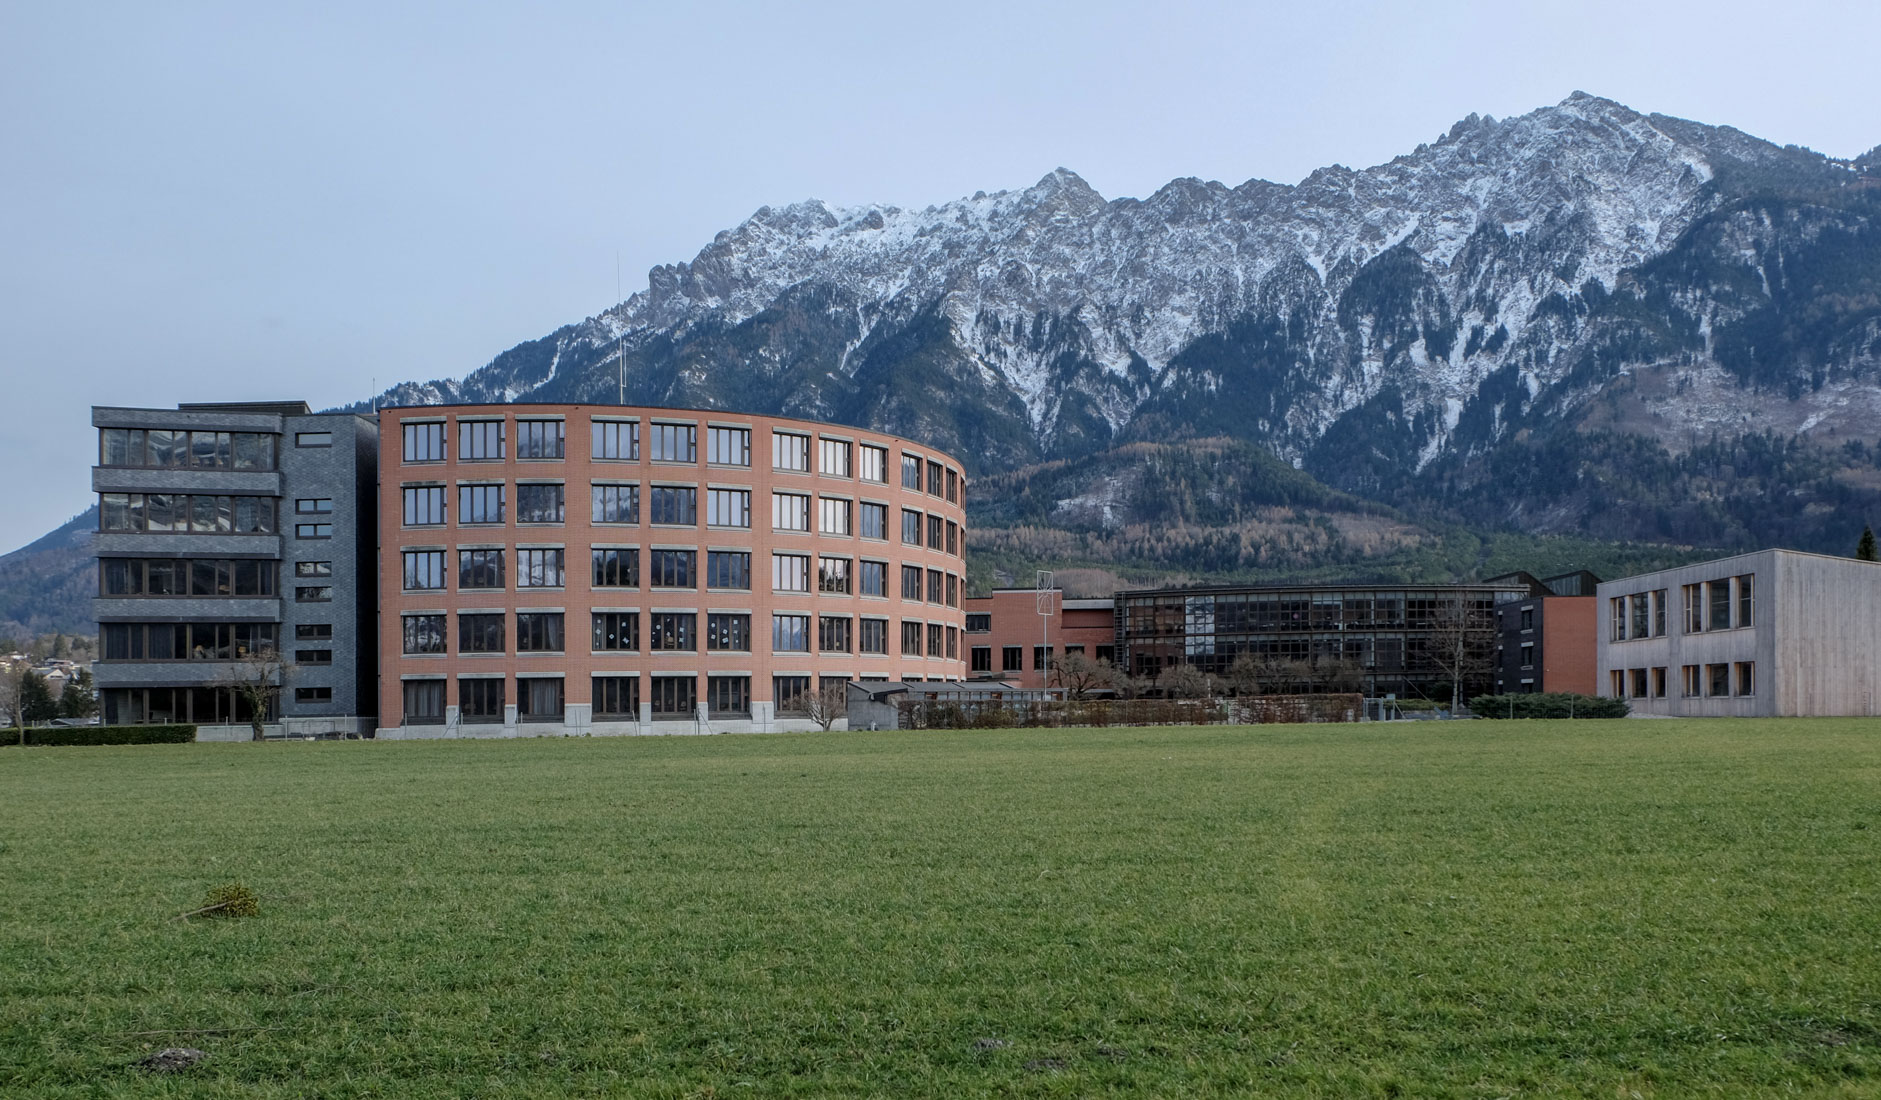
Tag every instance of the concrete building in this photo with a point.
(1547, 641)
(236, 540)
(1014, 634)
(1767, 634)
(568, 569)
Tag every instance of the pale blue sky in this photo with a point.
(248, 201)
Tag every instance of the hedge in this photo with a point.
(1548, 704)
(102, 735)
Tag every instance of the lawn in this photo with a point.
(1484, 909)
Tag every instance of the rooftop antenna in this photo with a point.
(1043, 597)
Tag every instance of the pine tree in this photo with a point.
(79, 699)
(1865, 550)
(36, 702)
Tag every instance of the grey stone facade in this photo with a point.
(318, 457)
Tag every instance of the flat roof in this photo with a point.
(1254, 589)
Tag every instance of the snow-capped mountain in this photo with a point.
(1499, 270)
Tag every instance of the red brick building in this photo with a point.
(1009, 639)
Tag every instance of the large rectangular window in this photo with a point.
(424, 505)
(936, 528)
(616, 631)
(832, 516)
(872, 520)
(728, 631)
(1642, 616)
(1694, 608)
(936, 586)
(911, 472)
(479, 504)
(672, 630)
(481, 700)
(790, 694)
(833, 457)
(1718, 605)
(982, 659)
(728, 569)
(675, 697)
(790, 572)
(615, 503)
(673, 568)
(911, 582)
(1746, 677)
(872, 578)
(934, 478)
(480, 440)
(790, 633)
(728, 507)
(424, 442)
(1658, 612)
(617, 440)
(615, 696)
(790, 451)
(539, 503)
(480, 569)
(1012, 658)
(872, 636)
(872, 464)
(832, 576)
(953, 537)
(790, 512)
(480, 633)
(540, 439)
(953, 486)
(728, 446)
(616, 567)
(424, 634)
(674, 506)
(910, 638)
(424, 570)
(910, 527)
(728, 696)
(539, 632)
(1717, 679)
(539, 698)
(675, 443)
(832, 634)
(540, 567)
(424, 702)
(1746, 602)
(1690, 679)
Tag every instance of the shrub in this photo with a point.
(231, 900)
(105, 735)
(1550, 704)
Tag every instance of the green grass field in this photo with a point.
(1445, 909)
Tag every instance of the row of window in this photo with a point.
(162, 448)
(1737, 678)
(1012, 657)
(200, 514)
(483, 699)
(483, 569)
(673, 631)
(1728, 603)
(187, 641)
(619, 441)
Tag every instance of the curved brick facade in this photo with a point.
(582, 568)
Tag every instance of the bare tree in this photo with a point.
(1342, 674)
(827, 703)
(1184, 681)
(257, 681)
(12, 684)
(1080, 675)
(1462, 647)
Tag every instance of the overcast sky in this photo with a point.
(269, 200)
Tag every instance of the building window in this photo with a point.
(979, 622)
(833, 457)
(539, 503)
(953, 486)
(728, 446)
(790, 572)
(313, 569)
(953, 537)
(316, 632)
(313, 530)
(981, 658)
(674, 696)
(872, 636)
(728, 569)
(424, 570)
(539, 698)
(953, 590)
(1658, 683)
(615, 696)
(832, 576)
(424, 702)
(1718, 614)
(481, 700)
(728, 508)
(872, 464)
(479, 569)
(541, 439)
(1694, 608)
(872, 520)
(615, 567)
(936, 538)
(911, 472)
(953, 643)
(1528, 618)
(910, 638)
(616, 631)
(1528, 655)
(313, 695)
(480, 440)
(728, 632)
(934, 479)
(790, 512)
(541, 567)
(911, 583)
(1746, 677)
(1642, 616)
(872, 578)
(673, 568)
(1691, 683)
(1637, 687)
(790, 694)
(833, 516)
(1746, 602)
(1658, 612)
(790, 452)
(790, 633)
(424, 505)
(617, 440)
(674, 506)
(313, 506)
(424, 634)
(675, 443)
(832, 634)
(910, 527)
(1718, 679)
(1012, 658)
(728, 696)
(477, 504)
(317, 593)
(615, 503)
(936, 587)
(480, 633)
(672, 631)
(301, 439)
(423, 442)
(313, 656)
(935, 642)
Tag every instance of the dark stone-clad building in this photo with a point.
(1546, 642)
